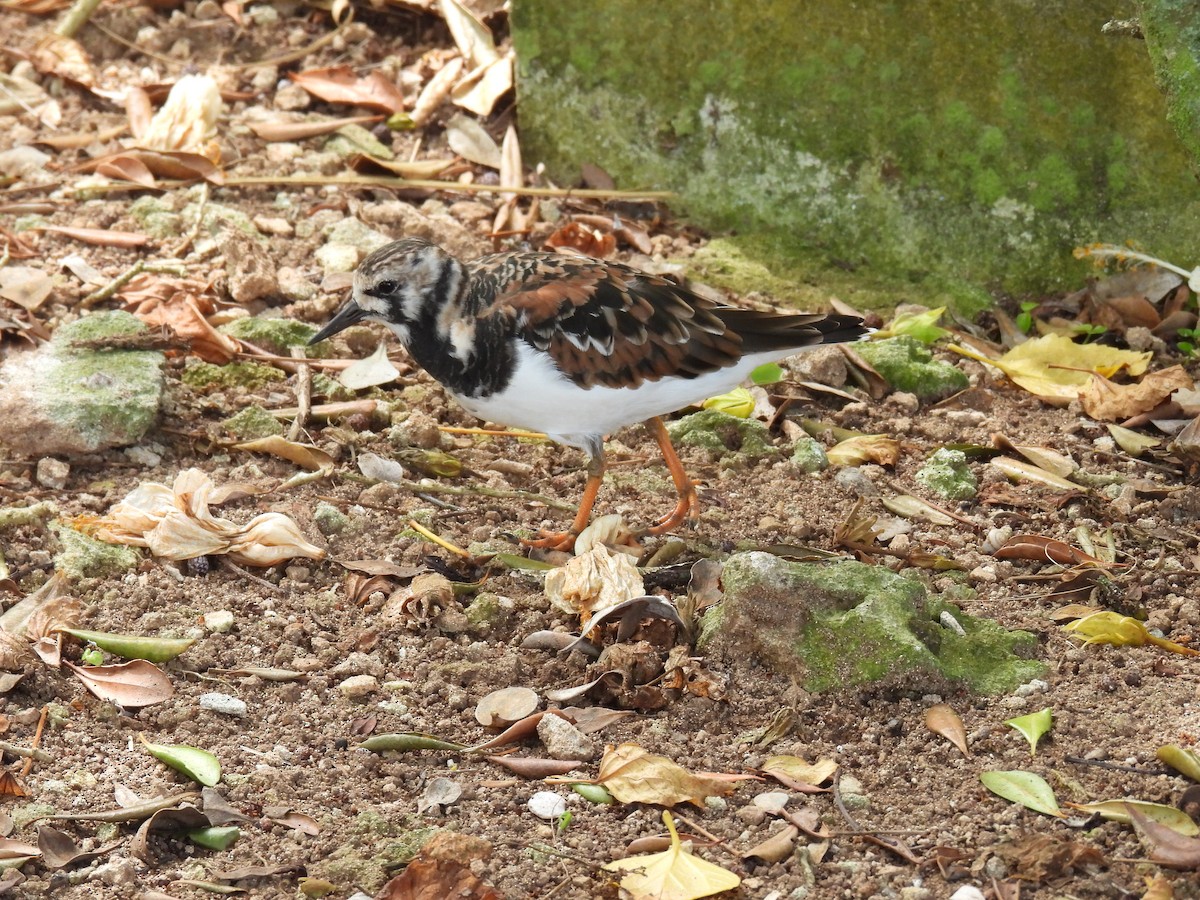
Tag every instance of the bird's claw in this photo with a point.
(563, 541)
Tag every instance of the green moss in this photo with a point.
(947, 474)
(108, 396)
(849, 623)
(251, 375)
(809, 456)
(722, 435)
(156, 218)
(274, 334)
(888, 163)
(251, 423)
(80, 556)
(908, 366)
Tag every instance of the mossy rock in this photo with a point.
(252, 423)
(81, 556)
(848, 623)
(251, 375)
(274, 334)
(948, 475)
(908, 366)
(724, 436)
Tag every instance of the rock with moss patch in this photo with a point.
(947, 474)
(809, 456)
(202, 375)
(65, 398)
(850, 623)
(329, 519)
(80, 556)
(908, 366)
(156, 218)
(252, 423)
(274, 334)
(724, 436)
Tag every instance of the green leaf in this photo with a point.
(770, 373)
(1033, 726)
(593, 793)
(1026, 788)
(198, 765)
(92, 657)
(922, 326)
(737, 402)
(1118, 811)
(1184, 761)
(215, 837)
(407, 741)
(132, 646)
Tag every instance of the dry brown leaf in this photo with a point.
(1037, 548)
(529, 767)
(793, 770)
(276, 129)
(339, 84)
(776, 848)
(11, 785)
(60, 850)
(142, 166)
(181, 314)
(436, 92)
(312, 458)
(100, 237)
(942, 719)
(26, 286)
(633, 775)
(133, 684)
(64, 57)
(1107, 401)
(423, 879)
(502, 708)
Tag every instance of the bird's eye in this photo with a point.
(386, 287)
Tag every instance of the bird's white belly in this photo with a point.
(540, 398)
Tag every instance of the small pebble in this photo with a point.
(219, 621)
(967, 892)
(564, 741)
(547, 805)
(52, 473)
(358, 686)
(223, 704)
(771, 801)
(948, 621)
(1036, 686)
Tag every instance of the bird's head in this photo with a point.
(397, 285)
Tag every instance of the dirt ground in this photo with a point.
(297, 745)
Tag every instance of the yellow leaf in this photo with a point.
(1107, 401)
(796, 769)
(1057, 369)
(633, 775)
(738, 402)
(674, 874)
(864, 448)
(1109, 627)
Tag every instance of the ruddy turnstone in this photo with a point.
(573, 347)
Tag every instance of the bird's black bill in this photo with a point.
(350, 314)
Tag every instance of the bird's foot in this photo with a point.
(688, 508)
(552, 540)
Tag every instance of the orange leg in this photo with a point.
(689, 504)
(565, 540)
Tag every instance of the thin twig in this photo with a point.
(429, 487)
(37, 739)
(384, 181)
(234, 567)
(190, 237)
(76, 17)
(29, 752)
(440, 541)
(303, 395)
(1101, 764)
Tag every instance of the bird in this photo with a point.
(573, 347)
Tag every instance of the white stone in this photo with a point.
(547, 805)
